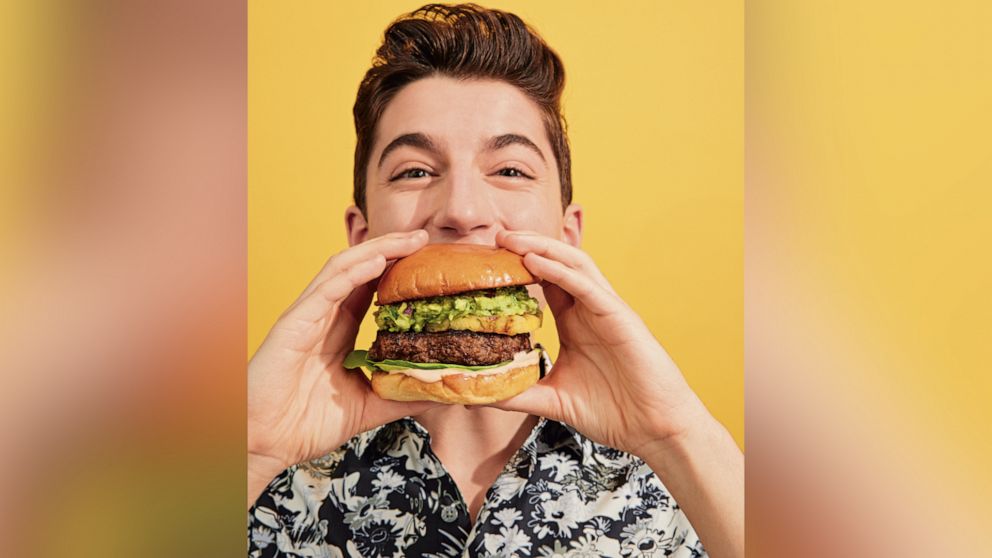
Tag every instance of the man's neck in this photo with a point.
(474, 444)
(456, 429)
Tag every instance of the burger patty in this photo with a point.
(451, 347)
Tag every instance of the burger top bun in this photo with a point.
(447, 269)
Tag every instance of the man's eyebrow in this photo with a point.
(499, 142)
(416, 139)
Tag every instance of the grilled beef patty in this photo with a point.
(451, 347)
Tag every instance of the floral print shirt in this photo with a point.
(385, 493)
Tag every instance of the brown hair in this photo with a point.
(463, 41)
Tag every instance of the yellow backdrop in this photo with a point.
(654, 102)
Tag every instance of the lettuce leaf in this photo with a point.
(359, 359)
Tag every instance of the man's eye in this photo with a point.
(411, 174)
(512, 172)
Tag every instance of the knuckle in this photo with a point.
(585, 260)
(329, 289)
(353, 272)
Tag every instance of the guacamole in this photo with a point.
(438, 313)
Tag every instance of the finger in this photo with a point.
(390, 246)
(319, 304)
(372, 411)
(540, 399)
(523, 242)
(381, 411)
(343, 330)
(558, 299)
(580, 286)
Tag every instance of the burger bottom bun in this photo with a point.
(458, 389)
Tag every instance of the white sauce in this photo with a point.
(523, 358)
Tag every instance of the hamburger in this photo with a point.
(454, 324)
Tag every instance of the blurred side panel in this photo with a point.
(122, 283)
(868, 312)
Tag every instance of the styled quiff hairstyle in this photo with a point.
(463, 41)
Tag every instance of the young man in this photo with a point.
(461, 139)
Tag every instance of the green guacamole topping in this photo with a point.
(432, 314)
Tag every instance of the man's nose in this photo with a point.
(465, 206)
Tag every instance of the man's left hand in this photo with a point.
(612, 380)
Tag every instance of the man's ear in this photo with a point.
(356, 225)
(572, 225)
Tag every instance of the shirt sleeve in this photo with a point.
(265, 524)
(669, 525)
(687, 543)
(285, 519)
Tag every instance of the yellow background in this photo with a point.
(654, 102)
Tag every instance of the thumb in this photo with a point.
(380, 411)
(541, 399)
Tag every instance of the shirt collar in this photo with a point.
(546, 434)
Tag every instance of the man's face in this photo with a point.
(463, 160)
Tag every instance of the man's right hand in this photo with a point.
(302, 403)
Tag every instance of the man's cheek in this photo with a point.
(533, 218)
(529, 210)
(391, 215)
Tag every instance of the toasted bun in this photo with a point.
(447, 269)
(459, 389)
